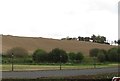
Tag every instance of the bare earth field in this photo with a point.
(33, 43)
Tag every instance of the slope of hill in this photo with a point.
(33, 43)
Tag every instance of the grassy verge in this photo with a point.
(17, 67)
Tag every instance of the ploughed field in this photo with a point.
(47, 44)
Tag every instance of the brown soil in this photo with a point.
(33, 43)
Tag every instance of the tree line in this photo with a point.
(93, 38)
(112, 55)
(40, 56)
(56, 56)
(59, 55)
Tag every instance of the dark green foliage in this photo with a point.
(17, 52)
(71, 56)
(93, 37)
(119, 42)
(39, 56)
(119, 54)
(105, 54)
(79, 57)
(113, 54)
(17, 60)
(98, 39)
(54, 56)
(87, 38)
(104, 51)
(94, 52)
(76, 57)
(101, 56)
(84, 38)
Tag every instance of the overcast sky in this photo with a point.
(59, 18)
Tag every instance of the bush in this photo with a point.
(113, 54)
(94, 52)
(76, 57)
(71, 56)
(101, 56)
(39, 56)
(54, 56)
(79, 57)
(17, 51)
(119, 54)
(88, 60)
(105, 54)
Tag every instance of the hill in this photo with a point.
(33, 43)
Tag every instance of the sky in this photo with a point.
(59, 18)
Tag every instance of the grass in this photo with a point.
(17, 67)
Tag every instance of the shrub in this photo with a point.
(113, 54)
(39, 56)
(17, 51)
(54, 56)
(94, 52)
(71, 56)
(105, 54)
(119, 54)
(79, 57)
(101, 56)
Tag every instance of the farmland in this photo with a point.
(32, 43)
(47, 44)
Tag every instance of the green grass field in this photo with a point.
(20, 67)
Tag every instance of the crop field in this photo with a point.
(33, 43)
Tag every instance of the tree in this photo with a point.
(39, 56)
(87, 38)
(118, 53)
(55, 54)
(94, 52)
(119, 42)
(72, 56)
(79, 57)
(98, 39)
(17, 51)
(93, 37)
(80, 38)
(101, 56)
(105, 53)
(113, 54)
(115, 42)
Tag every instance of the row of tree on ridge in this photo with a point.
(93, 38)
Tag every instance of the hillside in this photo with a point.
(33, 43)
